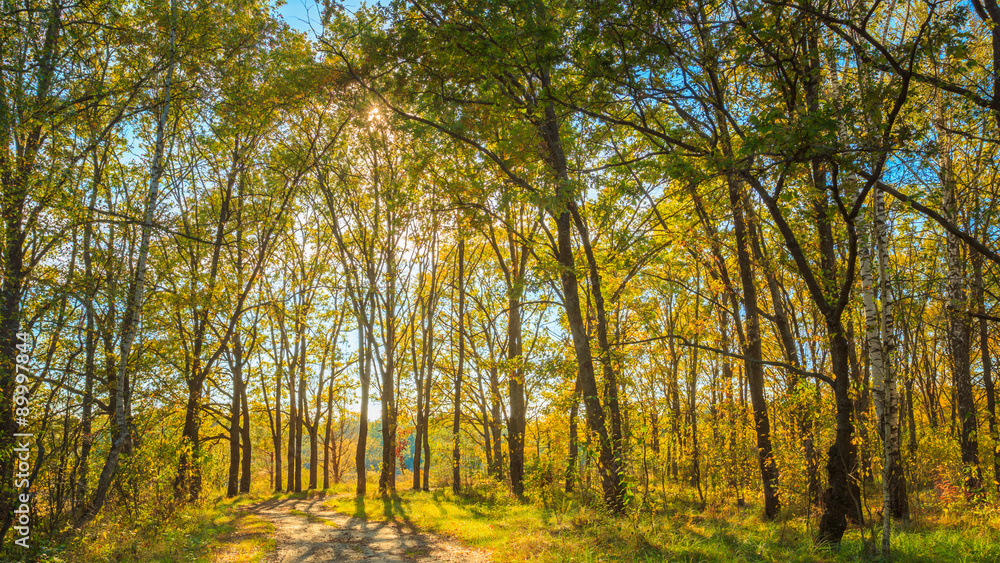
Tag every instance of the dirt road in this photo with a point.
(308, 532)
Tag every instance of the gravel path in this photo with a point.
(308, 532)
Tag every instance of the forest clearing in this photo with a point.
(499, 280)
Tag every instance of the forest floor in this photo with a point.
(307, 532)
(486, 524)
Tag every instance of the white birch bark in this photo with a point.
(133, 307)
(873, 324)
(880, 339)
(889, 421)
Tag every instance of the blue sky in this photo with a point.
(301, 15)
(304, 15)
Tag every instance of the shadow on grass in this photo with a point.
(436, 497)
(387, 508)
(480, 507)
(392, 509)
(394, 505)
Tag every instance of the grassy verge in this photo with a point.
(555, 528)
(210, 532)
(565, 531)
(250, 541)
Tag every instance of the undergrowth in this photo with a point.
(547, 527)
(214, 530)
(559, 528)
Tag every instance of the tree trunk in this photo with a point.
(456, 453)
(898, 505)
(987, 364)
(188, 480)
(800, 412)
(313, 427)
(692, 391)
(671, 390)
(574, 448)
(236, 367)
(245, 473)
(881, 340)
(427, 410)
(313, 455)
(89, 365)
(418, 382)
(495, 422)
(277, 424)
(293, 417)
(338, 452)
(301, 411)
(610, 466)
(487, 438)
(387, 477)
(327, 436)
(133, 307)
(422, 440)
(16, 179)
(607, 362)
(513, 267)
(989, 12)
(515, 390)
(842, 499)
(754, 355)
(958, 336)
(364, 373)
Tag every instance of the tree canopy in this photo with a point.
(624, 252)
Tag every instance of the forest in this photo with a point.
(499, 280)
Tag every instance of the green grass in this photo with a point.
(250, 541)
(552, 528)
(213, 531)
(563, 530)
